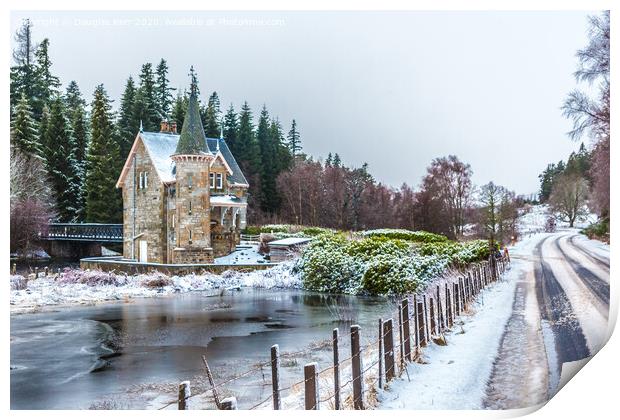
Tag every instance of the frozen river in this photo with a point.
(133, 353)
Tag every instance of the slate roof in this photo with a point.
(161, 146)
(193, 140)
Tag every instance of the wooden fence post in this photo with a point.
(401, 343)
(406, 329)
(421, 326)
(336, 370)
(275, 375)
(356, 362)
(416, 327)
(229, 403)
(388, 342)
(427, 333)
(455, 288)
(311, 380)
(14, 269)
(440, 316)
(184, 393)
(431, 306)
(380, 353)
(448, 307)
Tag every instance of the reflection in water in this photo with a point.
(98, 352)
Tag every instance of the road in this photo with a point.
(559, 315)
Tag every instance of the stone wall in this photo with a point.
(130, 267)
(149, 210)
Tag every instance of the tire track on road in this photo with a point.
(596, 259)
(598, 286)
(557, 311)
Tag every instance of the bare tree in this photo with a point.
(569, 198)
(450, 180)
(498, 213)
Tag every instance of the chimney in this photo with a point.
(173, 127)
(164, 127)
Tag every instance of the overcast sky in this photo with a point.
(394, 89)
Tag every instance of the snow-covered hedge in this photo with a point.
(287, 231)
(407, 235)
(380, 265)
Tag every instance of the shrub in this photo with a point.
(368, 248)
(389, 275)
(18, 282)
(407, 235)
(89, 277)
(155, 280)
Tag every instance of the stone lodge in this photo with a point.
(184, 196)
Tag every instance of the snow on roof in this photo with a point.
(227, 200)
(289, 241)
(161, 146)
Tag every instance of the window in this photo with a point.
(141, 184)
(173, 220)
(212, 180)
(190, 206)
(146, 180)
(189, 181)
(190, 236)
(219, 181)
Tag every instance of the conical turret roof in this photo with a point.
(192, 140)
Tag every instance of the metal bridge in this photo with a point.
(84, 232)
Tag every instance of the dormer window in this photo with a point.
(219, 181)
(212, 180)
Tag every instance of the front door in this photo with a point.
(143, 251)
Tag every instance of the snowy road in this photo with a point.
(560, 315)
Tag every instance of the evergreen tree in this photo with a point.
(337, 162)
(22, 74)
(43, 125)
(163, 90)
(128, 120)
(46, 85)
(212, 117)
(24, 134)
(294, 143)
(283, 156)
(328, 161)
(103, 200)
(76, 113)
(61, 163)
(267, 170)
(179, 109)
(247, 148)
(231, 125)
(145, 106)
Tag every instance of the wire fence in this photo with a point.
(353, 382)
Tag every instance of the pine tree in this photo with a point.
(179, 109)
(231, 125)
(22, 74)
(328, 161)
(294, 143)
(267, 169)
(128, 121)
(103, 200)
(337, 162)
(248, 149)
(24, 134)
(284, 158)
(145, 106)
(43, 125)
(163, 90)
(46, 85)
(61, 163)
(212, 117)
(76, 113)
(75, 105)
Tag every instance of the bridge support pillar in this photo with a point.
(72, 249)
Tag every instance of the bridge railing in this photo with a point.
(96, 232)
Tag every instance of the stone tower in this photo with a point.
(192, 203)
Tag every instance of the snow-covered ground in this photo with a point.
(455, 376)
(534, 220)
(53, 290)
(243, 255)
